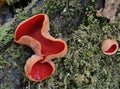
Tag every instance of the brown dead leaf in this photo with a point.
(109, 10)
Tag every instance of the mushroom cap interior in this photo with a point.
(40, 71)
(111, 49)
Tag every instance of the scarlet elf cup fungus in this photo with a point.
(37, 71)
(34, 32)
(109, 46)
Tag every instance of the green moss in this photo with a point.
(9, 2)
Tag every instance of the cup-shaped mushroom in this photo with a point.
(37, 71)
(109, 46)
(34, 32)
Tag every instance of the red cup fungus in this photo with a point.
(109, 46)
(37, 71)
(34, 32)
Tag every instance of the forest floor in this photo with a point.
(84, 66)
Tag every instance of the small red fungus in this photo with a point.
(109, 46)
(34, 32)
(37, 71)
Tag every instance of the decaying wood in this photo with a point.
(109, 10)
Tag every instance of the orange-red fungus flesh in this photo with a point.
(40, 70)
(33, 28)
(111, 49)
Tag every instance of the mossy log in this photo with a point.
(84, 67)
